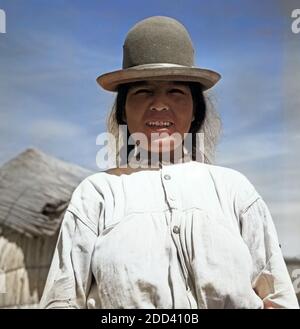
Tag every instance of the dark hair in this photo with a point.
(199, 105)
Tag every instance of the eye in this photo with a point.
(177, 91)
(142, 91)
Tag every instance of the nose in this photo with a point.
(159, 103)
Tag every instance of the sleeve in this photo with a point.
(69, 278)
(271, 280)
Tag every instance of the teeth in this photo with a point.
(159, 123)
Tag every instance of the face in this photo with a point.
(162, 111)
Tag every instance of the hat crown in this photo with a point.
(158, 39)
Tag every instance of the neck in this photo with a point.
(148, 159)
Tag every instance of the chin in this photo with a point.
(164, 147)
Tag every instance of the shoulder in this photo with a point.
(87, 200)
(238, 187)
(227, 174)
(95, 184)
(97, 180)
(90, 191)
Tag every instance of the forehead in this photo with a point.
(159, 83)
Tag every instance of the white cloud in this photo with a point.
(236, 150)
(54, 129)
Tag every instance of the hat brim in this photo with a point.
(110, 81)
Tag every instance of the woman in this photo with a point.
(167, 230)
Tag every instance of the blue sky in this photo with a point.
(53, 52)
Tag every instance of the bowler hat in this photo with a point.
(158, 48)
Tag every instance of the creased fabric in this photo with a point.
(189, 235)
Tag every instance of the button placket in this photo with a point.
(175, 232)
(170, 188)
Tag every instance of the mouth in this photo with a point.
(159, 124)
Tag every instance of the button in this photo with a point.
(176, 229)
(167, 177)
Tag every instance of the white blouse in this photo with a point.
(188, 235)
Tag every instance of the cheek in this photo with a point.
(133, 117)
(185, 116)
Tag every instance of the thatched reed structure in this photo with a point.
(35, 190)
